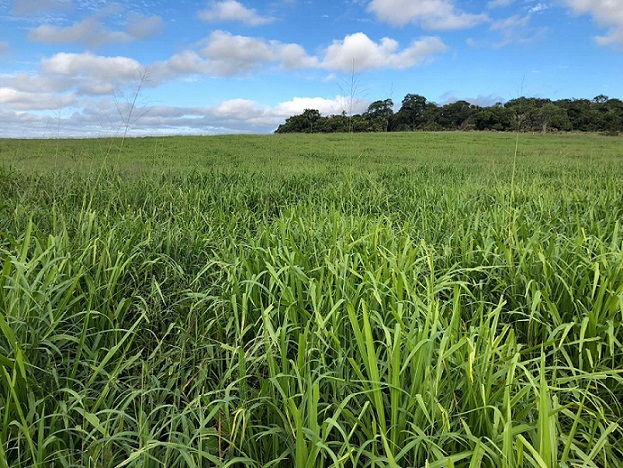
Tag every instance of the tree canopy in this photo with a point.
(601, 114)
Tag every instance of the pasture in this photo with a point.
(366, 300)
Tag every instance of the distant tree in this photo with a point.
(553, 117)
(303, 123)
(496, 118)
(456, 116)
(336, 123)
(381, 114)
(412, 113)
(611, 113)
(582, 114)
(431, 120)
(527, 115)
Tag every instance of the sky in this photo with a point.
(89, 68)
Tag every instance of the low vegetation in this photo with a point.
(415, 299)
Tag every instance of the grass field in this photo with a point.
(411, 300)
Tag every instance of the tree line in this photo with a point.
(601, 114)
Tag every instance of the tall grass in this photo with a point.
(254, 313)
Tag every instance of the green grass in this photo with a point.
(317, 300)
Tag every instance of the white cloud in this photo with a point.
(4, 46)
(23, 100)
(607, 13)
(224, 54)
(36, 82)
(93, 33)
(187, 62)
(294, 57)
(358, 52)
(92, 74)
(430, 14)
(230, 54)
(231, 10)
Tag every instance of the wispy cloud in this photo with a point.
(516, 29)
(538, 8)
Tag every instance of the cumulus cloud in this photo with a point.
(357, 52)
(29, 101)
(225, 54)
(92, 74)
(606, 13)
(93, 33)
(231, 10)
(233, 54)
(430, 14)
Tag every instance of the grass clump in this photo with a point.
(229, 302)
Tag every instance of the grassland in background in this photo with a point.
(421, 299)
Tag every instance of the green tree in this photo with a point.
(554, 117)
(381, 114)
(495, 117)
(456, 116)
(307, 122)
(412, 113)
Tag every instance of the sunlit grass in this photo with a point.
(313, 301)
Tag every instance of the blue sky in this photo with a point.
(96, 68)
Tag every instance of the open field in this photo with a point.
(416, 299)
